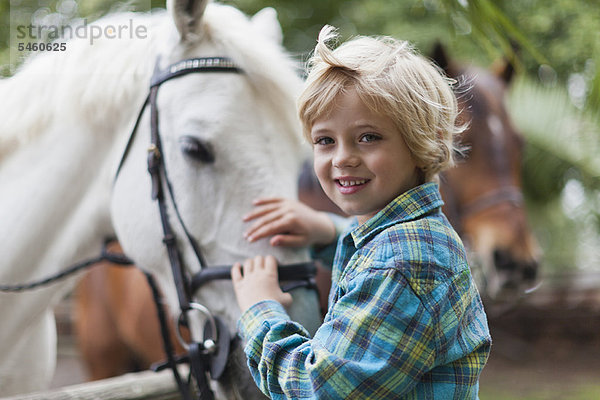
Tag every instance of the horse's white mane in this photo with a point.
(95, 83)
(86, 81)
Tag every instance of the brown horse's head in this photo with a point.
(483, 194)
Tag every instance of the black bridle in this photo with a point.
(209, 357)
(199, 353)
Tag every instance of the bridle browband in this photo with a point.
(208, 357)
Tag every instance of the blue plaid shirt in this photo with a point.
(405, 319)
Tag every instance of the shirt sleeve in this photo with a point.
(376, 342)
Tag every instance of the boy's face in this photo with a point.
(360, 158)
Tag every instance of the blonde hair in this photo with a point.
(392, 79)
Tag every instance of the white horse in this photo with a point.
(66, 119)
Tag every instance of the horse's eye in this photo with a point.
(198, 149)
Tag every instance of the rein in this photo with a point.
(209, 357)
(105, 255)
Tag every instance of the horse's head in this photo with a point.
(226, 138)
(483, 193)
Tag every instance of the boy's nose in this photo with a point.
(345, 157)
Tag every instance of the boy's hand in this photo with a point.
(289, 222)
(258, 282)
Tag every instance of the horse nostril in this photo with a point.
(530, 271)
(503, 260)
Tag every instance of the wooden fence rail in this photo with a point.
(145, 385)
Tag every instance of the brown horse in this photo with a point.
(116, 321)
(483, 193)
(115, 318)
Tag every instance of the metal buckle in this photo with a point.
(210, 344)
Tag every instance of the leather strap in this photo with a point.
(160, 180)
(199, 368)
(505, 194)
(299, 272)
(205, 64)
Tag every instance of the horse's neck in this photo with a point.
(56, 189)
(57, 163)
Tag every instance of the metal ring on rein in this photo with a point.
(210, 345)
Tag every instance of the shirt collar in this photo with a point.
(408, 206)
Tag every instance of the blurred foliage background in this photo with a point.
(554, 101)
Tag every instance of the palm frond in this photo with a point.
(593, 102)
(492, 29)
(561, 173)
(551, 122)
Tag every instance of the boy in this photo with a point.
(404, 319)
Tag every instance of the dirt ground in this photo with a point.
(547, 348)
(545, 369)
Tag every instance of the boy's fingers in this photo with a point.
(236, 272)
(270, 264)
(263, 222)
(248, 266)
(259, 262)
(288, 240)
(277, 227)
(263, 208)
(259, 212)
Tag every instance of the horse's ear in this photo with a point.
(186, 15)
(265, 21)
(440, 57)
(505, 67)
(504, 70)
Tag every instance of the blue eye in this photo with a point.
(369, 137)
(323, 141)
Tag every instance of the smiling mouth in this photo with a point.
(350, 183)
(351, 186)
